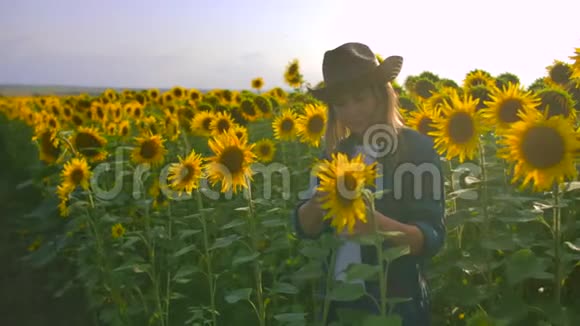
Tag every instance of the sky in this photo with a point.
(225, 44)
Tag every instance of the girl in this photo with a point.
(359, 96)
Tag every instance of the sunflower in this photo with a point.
(171, 128)
(98, 112)
(504, 79)
(111, 129)
(284, 125)
(257, 83)
(540, 150)
(201, 124)
(158, 194)
(153, 94)
(292, 75)
(422, 119)
(231, 163)
(150, 149)
(115, 111)
(557, 101)
(249, 109)
(117, 231)
(507, 106)
(424, 88)
(124, 128)
(265, 150)
(178, 92)
(478, 77)
(240, 131)
(75, 173)
(63, 194)
(458, 128)
(343, 181)
(407, 103)
(88, 142)
(264, 106)
(559, 73)
(47, 145)
(194, 95)
(221, 122)
(184, 176)
(311, 125)
(576, 66)
(482, 94)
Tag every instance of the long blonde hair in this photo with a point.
(387, 100)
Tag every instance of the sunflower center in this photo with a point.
(315, 124)
(149, 149)
(223, 125)
(77, 120)
(508, 111)
(47, 146)
(425, 126)
(177, 92)
(232, 158)
(265, 150)
(287, 125)
(206, 123)
(543, 147)
(77, 176)
(249, 109)
(555, 106)
(561, 74)
(87, 144)
(461, 128)
(346, 184)
(187, 173)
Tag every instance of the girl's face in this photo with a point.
(358, 110)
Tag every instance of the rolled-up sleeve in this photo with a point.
(427, 211)
(296, 219)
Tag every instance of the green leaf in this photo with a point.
(310, 271)
(177, 295)
(347, 291)
(383, 321)
(395, 252)
(239, 294)
(184, 250)
(141, 268)
(314, 252)
(233, 224)
(286, 288)
(291, 317)
(361, 271)
(244, 259)
(369, 239)
(524, 264)
(187, 233)
(572, 246)
(274, 222)
(185, 271)
(224, 241)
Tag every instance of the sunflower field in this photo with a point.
(173, 207)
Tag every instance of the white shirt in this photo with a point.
(350, 251)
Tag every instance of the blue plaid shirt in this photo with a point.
(424, 209)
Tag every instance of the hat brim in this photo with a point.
(385, 72)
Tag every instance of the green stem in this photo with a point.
(329, 282)
(168, 278)
(380, 256)
(257, 266)
(207, 258)
(557, 241)
(486, 219)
